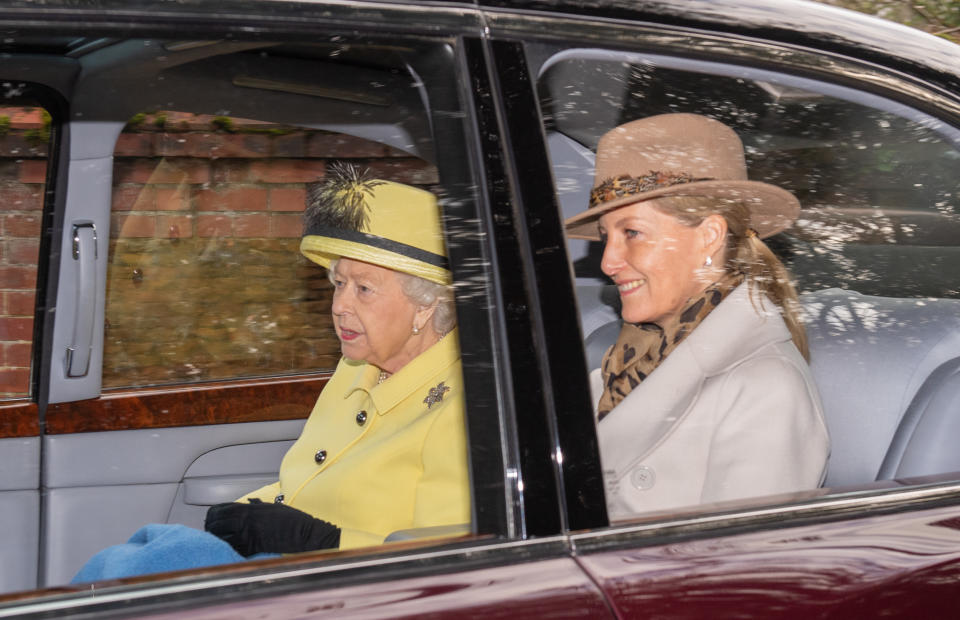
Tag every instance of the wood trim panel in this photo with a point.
(19, 419)
(259, 400)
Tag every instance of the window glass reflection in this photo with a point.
(876, 180)
(873, 252)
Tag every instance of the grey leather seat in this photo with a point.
(925, 441)
(883, 369)
(599, 319)
(888, 371)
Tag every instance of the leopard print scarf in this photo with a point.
(641, 347)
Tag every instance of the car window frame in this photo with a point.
(688, 43)
(54, 104)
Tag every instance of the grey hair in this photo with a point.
(422, 292)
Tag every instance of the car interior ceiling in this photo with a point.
(379, 98)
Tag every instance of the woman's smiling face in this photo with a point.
(656, 261)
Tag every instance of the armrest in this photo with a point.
(436, 531)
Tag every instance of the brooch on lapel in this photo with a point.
(435, 395)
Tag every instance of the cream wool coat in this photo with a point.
(405, 466)
(732, 412)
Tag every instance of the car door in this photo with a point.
(169, 185)
(873, 161)
(188, 340)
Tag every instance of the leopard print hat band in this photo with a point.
(626, 185)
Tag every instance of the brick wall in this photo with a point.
(205, 280)
(23, 166)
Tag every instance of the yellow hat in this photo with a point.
(380, 222)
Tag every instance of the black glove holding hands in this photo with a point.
(273, 528)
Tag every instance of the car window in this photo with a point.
(190, 183)
(205, 278)
(873, 253)
(24, 140)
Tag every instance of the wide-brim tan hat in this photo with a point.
(678, 155)
(353, 215)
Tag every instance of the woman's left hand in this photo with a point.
(273, 528)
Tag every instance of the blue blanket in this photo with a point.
(158, 548)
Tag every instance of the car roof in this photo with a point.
(798, 22)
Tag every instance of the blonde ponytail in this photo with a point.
(765, 271)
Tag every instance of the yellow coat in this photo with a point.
(399, 465)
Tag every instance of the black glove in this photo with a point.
(273, 528)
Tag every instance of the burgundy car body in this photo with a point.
(545, 548)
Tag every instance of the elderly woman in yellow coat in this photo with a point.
(384, 448)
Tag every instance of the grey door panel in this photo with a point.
(83, 520)
(19, 512)
(19, 545)
(150, 455)
(20, 464)
(243, 459)
(101, 487)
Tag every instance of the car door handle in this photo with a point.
(212, 490)
(85, 259)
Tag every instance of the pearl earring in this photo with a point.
(416, 330)
(708, 262)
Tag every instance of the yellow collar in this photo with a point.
(409, 379)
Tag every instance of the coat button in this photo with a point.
(643, 477)
(361, 418)
(278, 499)
(320, 456)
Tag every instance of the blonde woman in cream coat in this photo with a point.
(706, 396)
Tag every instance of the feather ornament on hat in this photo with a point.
(340, 201)
(350, 214)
